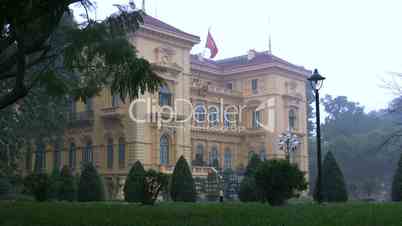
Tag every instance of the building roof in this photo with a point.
(156, 23)
(243, 61)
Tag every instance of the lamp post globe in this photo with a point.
(288, 142)
(317, 81)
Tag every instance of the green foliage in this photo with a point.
(207, 214)
(38, 185)
(90, 187)
(396, 193)
(134, 187)
(154, 183)
(6, 189)
(252, 166)
(248, 191)
(182, 185)
(67, 190)
(248, 188)
(278, 181)
(215, 164)
(93, 55)
(333, 183)
(54, 184)
(362, 145)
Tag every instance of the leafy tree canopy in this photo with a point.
(93, 55)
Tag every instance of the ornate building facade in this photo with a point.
(223, 112)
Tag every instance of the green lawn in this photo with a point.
(173, 214)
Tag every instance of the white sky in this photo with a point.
(352, 43)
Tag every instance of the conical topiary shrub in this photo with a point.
(182, 185)
(54, 184)
(396, 193)
(90, 187)
(248, 191)
(252, 165)
(333, 182)
(134, 186)
(67, 187)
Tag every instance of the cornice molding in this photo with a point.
(166, 37)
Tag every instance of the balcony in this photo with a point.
(214, 89)
(197, 171)
(78, 119)
(112, 113)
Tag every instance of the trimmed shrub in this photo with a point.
(90, 187)
(248, 191)
(278, 181)
(333, 183)
(252, 166)
(134, 186)
(38, 185)
(154, 183)
(67, 187)
(182, 184)
(396, 193)
(6, 189)
(54, 184)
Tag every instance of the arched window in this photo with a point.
(122, 153)
(164, 150)
(263, 155)
(214, 157)
(72, 156)
(250, 155)
(165, 96)
(87, 153)
(227, 163)
(200, 115)
(40, 156)
(199, 154)
(226, 120)
(213, 117)
(57, 155)
(292, 119)
(110, 153)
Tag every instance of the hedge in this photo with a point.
(189, 214)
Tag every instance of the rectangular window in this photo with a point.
(115, 100)
(122, 155)
(254, 85)
(256, 121)
(89, 104)
(110, 156)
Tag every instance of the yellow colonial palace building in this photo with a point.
(214, 113)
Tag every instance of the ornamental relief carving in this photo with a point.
(164, 57)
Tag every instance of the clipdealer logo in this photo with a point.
(198, 114)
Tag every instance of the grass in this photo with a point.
(181, 214)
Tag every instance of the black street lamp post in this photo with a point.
(316, 81)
